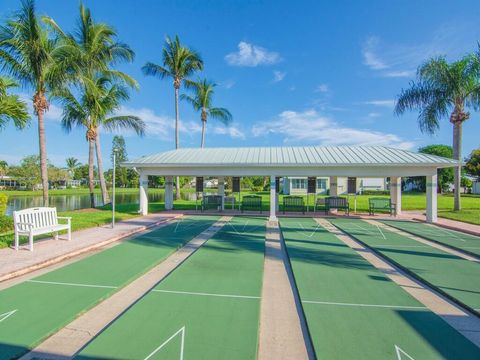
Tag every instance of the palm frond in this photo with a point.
(127, 122)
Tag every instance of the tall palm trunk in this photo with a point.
(40, 105)
(204, 125)
(43, 157)
(177, 137)
(91, 186)
(457, 155)
(103, 184)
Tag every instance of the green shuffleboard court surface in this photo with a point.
(36, 308)
(457, 239)
(354, 311)
(207, 308)
(455, 276)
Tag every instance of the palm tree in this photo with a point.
(202, 101)
(96, 50)
(178, 63)
(3, 167)
(97, 101)
(72, 164)
(12, 108)
(444, 90)
(30, 55)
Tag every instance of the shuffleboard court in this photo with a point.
(354, 311)
(456, 239)
(456, 277)
(208, 308)
(36, 308)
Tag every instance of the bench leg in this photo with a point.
(30, 241)
(16, 240)
(69, 233)
(56, 235)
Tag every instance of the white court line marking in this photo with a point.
(207, 294)
(363, 305)
(303, 232)
(6, 315)
(243, 229)
(405, 246)
(72, 284)
(194, 223)
(400, 352)
(182, 331)
(381, 232)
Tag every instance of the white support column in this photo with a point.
(333, 186)
(221, 190)
(396, 193)
(273, 199)
(168, 192)
(431, 184)
(143, 194)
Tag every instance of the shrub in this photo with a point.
(375, 192)
(6, 223)
(3, 203)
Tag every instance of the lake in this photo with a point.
(75, 202)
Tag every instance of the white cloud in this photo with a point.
(370, 58)
(252, 55)
(278, 76)
(228, 84)
(401, 73)
(383, 103)
(397, 60)
(311, 127)
(322, 88)
(231, 131)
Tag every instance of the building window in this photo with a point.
(299, 183)
(321, 184)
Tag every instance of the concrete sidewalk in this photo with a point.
(446, 223)
(49, 251)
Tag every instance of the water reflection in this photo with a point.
(75, 202)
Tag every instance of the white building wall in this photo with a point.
(378, 184)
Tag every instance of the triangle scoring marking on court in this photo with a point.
(401, 355)
(6, 315)
(182, 343)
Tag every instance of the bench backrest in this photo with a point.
(39, 217)
(334, 201)
(293, 201)
(380, 203)
(212, 199)
(252, 200)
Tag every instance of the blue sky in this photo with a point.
(291, 73)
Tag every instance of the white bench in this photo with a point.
(37, 221)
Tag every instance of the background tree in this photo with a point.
(444, 90)
(118, 145)
(96, 50)
(472, 165)
(12, 108)
(30, 55)
(445, 176)
(28, 172)
(202, 101)
(178, 63)
(3, 168)
(72, 164)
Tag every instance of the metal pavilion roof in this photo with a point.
(305, 156)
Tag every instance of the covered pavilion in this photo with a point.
(331, 161)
